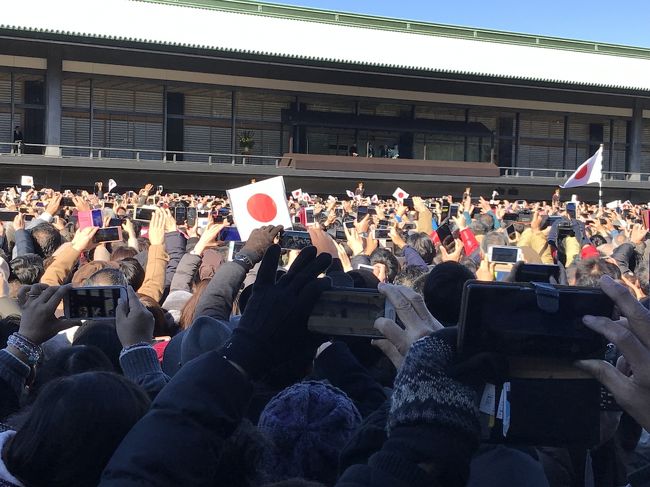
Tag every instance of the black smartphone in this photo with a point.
(144, 214)
(191, 216)
(115, 222)
(531, 320)
(512, 233)
(383, 224)
(292, 240)
(408, 202)
(350, 312)
(453, 210)
(571, 209)
(8, 216)
(446, 237)
(309, 215)
(180, 214)
(525, 216)
(510, 217)
(537, 273)
(93, 303)
(340, 235)
(349, 224)
(444, 210)
(108, 234)
(67, 202)
(362, 211)
(29, 218)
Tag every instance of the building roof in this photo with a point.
(247, 27)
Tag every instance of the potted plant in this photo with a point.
(246, 141)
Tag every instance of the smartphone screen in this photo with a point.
(180, 214)
(453, 210)
(571, 209)
(233, 248)
(144, 214)
(108, 234)
(525, 217)
(362, 211)
(115, 222)
(645, 216)
(92, 303)
(228, 234)
(510, 217)
(444, 234)
(309, 215)
(349, 224)
(349, 312)
(537, 273)
(292, 240)
(340, 235)
(92, 218)
(504, 255)
(444, 213)
(382, 233)
(67, 202)
(408, 202)
(512, 233)
(8, 216)
(190, 217)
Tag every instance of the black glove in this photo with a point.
(273, 328)
(259, 241)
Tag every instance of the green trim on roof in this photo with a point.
(401, 25)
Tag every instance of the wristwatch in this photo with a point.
(244, 261)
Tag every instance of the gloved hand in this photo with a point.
(433, 419)
(259, 241)
(273, 328)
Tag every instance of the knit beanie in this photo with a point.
(309, 423)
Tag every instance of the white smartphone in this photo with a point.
(233, 248)
(505, 255)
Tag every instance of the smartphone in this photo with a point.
(366, 267)
(92, 218)
(512, 233)
(382, 233)
(383, 224)
(340, 235)
(233, 248)
(453, 210)
(444, 211)
(537, 273)
(529, 320)
(408, 202)
(191, 215)
(409, 226)
(108, 234)
(8, 216)
(571, 209)
(510, 217)
(115, 222)
(505, 255)
(144, 214)
(553, 218)
(446, 237)
(180, 214)
(229, 234)
(362, 211)
(645, 216)
(93, 303)
(350, 312)
(292, 240)
(525, 216)
(29, 218)
(349, 224)
(67, 202)
(160, 188)
(309, 215)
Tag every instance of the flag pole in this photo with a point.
(600, 183)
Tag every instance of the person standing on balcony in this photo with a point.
(18, 139)
(556, 198)
(360, 190)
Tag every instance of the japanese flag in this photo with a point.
(306, 197)
(400, 194)
(296, 193)
(259, 204)
(331, 198)
(349, 193)
(27, 181)
(374, 199)
(590, 171)
(111, 185)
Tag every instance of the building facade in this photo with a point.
(269, 80)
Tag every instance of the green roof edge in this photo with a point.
(410, 26)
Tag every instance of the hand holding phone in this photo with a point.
(93, 303)
(134, 323)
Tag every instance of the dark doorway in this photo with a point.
(175, 125)
(596, 134)
(406, 145)
(506, 136)
(34, 117)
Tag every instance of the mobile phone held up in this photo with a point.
(505, 255)
(292, 240)
(93, 303)
(108, 234)
(144, 214)
(233, 248)
(350, 312)
(91, 218)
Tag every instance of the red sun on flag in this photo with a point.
(400, 195)
(262, 208)
(582, 172)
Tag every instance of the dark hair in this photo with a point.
(494, 238)
(423, 246)
(133, 271)
(187, 312)
(102, 335)
(386, 257)
(643, 275)
(443, 291)
(589, 271)
(69, 361)
(123, 252)
(479, 228)
(107, 277)
(162, 325)
(46, 239)
(73, 429)
(27, 269)
(409, 275)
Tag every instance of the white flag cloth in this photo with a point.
(400, 194)
(259, 204)
(349, 193)
(296, 193)
(306, 197)
(111, 185)
(374, 199)
(590, 171)
(612, 205)
(27, 181)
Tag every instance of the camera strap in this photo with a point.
(548, 297)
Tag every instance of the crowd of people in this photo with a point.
(207, 374)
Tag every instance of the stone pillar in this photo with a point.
(53, 91)
(636, 135)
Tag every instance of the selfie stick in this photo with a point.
(600, 185)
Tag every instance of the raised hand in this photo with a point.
(134, 323)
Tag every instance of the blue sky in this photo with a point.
(622, 22)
